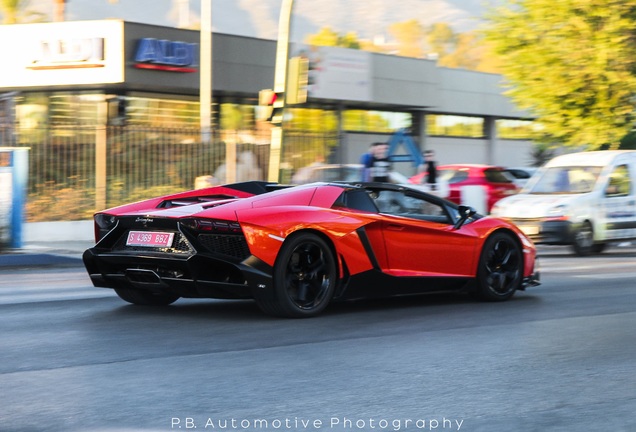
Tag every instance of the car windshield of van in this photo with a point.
(566, 180)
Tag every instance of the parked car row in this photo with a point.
(495, 181)
(498, 182)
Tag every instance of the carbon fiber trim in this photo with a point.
(225, 244)
(362, 233)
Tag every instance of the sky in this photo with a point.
(259, 18)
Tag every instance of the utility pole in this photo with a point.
(280, 85)
(60, 10)
(205, 71)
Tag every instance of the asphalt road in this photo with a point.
(559, 357)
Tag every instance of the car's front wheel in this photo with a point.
(583, 241)
(145, 298)
(500, 271)
(305, 275)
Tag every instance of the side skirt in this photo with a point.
(374, 283)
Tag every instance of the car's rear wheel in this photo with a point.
(145, 298)
(304, 278)
(500, 271)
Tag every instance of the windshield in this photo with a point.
(494, 175)
(566, 180)
(453, 175)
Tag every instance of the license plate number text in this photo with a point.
(149, 239)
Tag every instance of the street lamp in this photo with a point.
(280, 85)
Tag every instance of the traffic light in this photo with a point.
(273, 104)
(278, 105)
(297, 80)
(266, 97)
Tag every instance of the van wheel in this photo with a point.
(598, 248)
(583, 241)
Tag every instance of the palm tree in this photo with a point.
(16, 11)
(10, 10)
(60, 7)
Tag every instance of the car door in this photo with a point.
(619, 204)
(420, 239)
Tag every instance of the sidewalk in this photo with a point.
(35, 254)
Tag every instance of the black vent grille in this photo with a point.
(179, 246)
(225, 244)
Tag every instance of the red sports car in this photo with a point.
(295, 249)
(494, 179)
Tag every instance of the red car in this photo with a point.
(494, 179)
(295, 249)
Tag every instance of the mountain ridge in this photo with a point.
(259, 18)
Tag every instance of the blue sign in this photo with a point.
(167, 55)
(14, 166)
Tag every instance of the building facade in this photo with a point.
(102, 83)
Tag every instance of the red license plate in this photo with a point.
(149, 239)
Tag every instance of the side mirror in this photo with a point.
(464, 213)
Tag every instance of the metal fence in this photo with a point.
(77, 170)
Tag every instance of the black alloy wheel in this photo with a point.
(304, 278)
(500, 271)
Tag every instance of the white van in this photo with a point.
(586, 200)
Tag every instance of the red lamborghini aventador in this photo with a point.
(296, 249)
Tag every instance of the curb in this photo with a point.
(38, 260)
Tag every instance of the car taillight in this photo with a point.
(103, 224)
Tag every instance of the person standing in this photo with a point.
(365, 160)
(379, 166)
(430, 168)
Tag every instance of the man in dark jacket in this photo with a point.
(379, 166)
(430, 166)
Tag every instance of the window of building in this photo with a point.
(233, 116)
(516, 129)
(59, 108)
(457, 126)
(163, 112)
(375, 121)
(311, 119)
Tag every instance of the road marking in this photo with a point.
(22, 287)
(605, 276)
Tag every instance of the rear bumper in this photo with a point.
(194, 276)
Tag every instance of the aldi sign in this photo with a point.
(165, 55)
(69, 53)
(62, 54)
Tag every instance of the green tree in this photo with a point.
(572, 63)
(466, 52)
(410, 37)
(441, 39)
(326, 36)
(349, 40)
